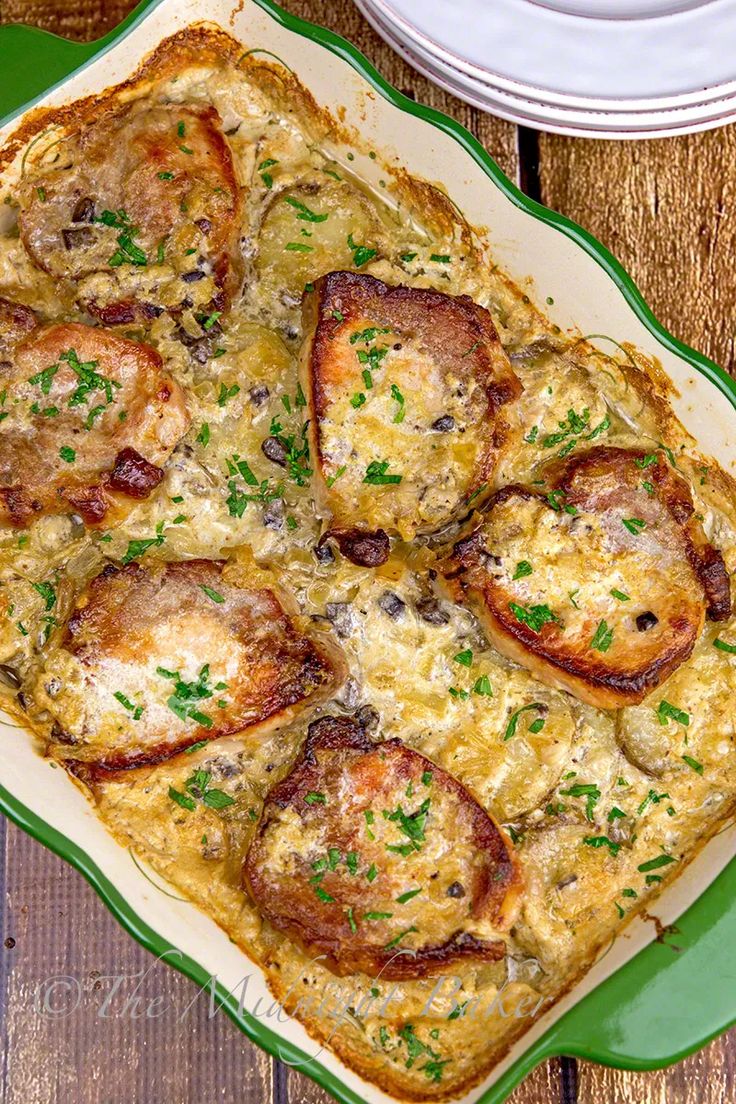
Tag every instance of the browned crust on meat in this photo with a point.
(339, 759)
(674, 493)
(151, 183)
(16, 322)
(457, 337)
(437, 316)
(33, 479)
(590, 674)
(123, 608)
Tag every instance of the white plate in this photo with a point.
(538, 65)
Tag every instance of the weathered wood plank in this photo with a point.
(71, 1033)
(707, 1078)
(667, 210)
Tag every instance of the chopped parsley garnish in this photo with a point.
(460, 695)
(368, 335)
(482, 687)
(399, 398)
(127, 252)
(187, 695)
(332, 479)
(203, 437)
(165, 176)
(534, 727)
(397, 939)
(464, 658)
(375, 915)
(89, 380)
(534, 616)
(362, 254)
(693, 764)
(297, 451)
(47, 592)
(315, 798)
(440, 258)
(602, 841)
(213, 595)
(67, 454)
(656, 864)
(646, 461)
(411, 825)
(556, 500)
(266, 176)
(298, 247)
(634, 525)
(665, 711)
(376, 474)
(603, 637)
(136, 710)
(182, 799)
(407, 258)
(404, 897)
(620, 596)
(227, 393)
(652, 798)
(523, 568)
(303, 212)
(137, 548)
(588, 790)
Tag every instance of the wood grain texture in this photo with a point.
(72, 1034)
(666, 209)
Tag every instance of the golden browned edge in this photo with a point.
(205, 43)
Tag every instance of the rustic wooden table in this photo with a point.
(667, 209)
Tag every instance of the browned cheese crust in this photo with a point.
(90, 418)
(369, 855)
(153, 225)
(203, 657)
(600, 582)
(406, 388)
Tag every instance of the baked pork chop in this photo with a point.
(406, 389)
(156, 659)
(88, 420)
(369, 855)
(142, 208)
(600, 582)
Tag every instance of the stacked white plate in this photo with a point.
(605, 68)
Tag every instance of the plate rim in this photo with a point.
(443, 53)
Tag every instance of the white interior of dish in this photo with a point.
(541, 258)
